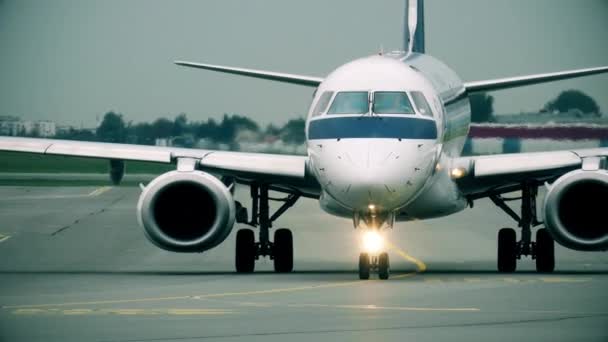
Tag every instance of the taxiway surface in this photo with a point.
(75, 266)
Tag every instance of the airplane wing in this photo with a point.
(500, 173)
(288, 171)
(471, 87)
(518, 81)
(309, 81)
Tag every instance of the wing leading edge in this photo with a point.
(309, 81)
(518, 81)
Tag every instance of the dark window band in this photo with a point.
(372, 127)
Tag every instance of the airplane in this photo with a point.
(384, 137)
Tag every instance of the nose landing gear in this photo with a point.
(374, 263)
(374, 257)
(379, 263)
(364, 266)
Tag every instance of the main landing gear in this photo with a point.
(247, 249)
(510, 249)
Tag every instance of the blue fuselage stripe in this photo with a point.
(372, 127)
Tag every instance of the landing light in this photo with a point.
(372, 242)
(371, 207)
(458, 172)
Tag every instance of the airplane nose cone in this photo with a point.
(383, 172)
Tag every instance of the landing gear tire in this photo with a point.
(545, 252)
(364, 266)
(245, 251)
(507, 250)
(383, 266)
(283, 250)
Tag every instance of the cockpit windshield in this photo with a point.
(384, 102)
(350, 102)
(392, 102)
(421, 103)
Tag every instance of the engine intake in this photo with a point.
(575, 210)
(186, 211)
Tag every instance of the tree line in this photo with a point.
(482, 105)
(230, 130)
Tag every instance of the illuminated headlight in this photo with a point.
(458, 172)
(373, 242)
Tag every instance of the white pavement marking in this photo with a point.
(375, 307)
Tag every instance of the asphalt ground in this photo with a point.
(75, 266)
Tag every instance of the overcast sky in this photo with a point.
(73, 60)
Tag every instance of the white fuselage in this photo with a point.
(377, 167)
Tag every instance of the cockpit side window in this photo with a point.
(421, 104)
(321, 106)
(392, 102)
(350, 102)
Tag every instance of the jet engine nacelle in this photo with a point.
(186, 211)
(576, 210)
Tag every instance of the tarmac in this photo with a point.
(75, 266)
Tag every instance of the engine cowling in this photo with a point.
(575, 210)
(186, 211)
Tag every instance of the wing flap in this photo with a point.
(518, 81)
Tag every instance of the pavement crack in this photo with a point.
(92, 213)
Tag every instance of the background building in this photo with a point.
(14, 126)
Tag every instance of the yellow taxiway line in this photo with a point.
(99, 191)
(421, 267)
(99, 302)
(123, 312)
